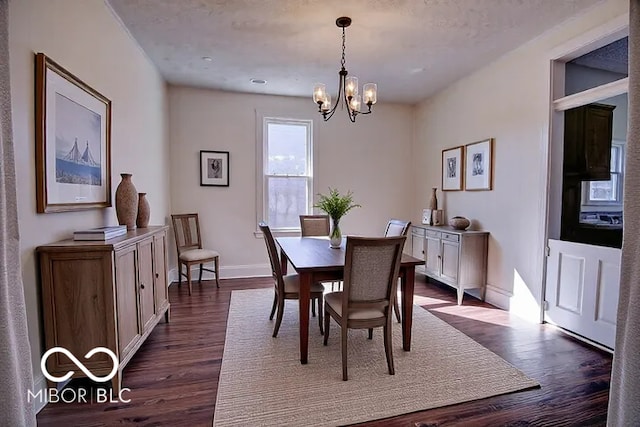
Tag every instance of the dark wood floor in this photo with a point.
(174, 376)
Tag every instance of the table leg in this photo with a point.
(303, 304)
(406, 285)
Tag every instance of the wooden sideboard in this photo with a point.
(454, 257)
(103, 294)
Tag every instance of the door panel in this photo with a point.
(127, 299)
(432, 257)
(450, 261)
(582, 289)
(570, 283)
(147, 297)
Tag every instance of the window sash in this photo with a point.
(279, 223)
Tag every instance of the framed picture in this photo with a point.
(479, 165)
(73, 141)
(452, 169)
(214, 168)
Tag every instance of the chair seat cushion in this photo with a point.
(292, 285)
(198, 254)
(334, 300)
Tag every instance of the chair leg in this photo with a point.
(217, 268)
(273, 307)
(388, 348)
(396, 308)
(313, 307)
(344, 331)
(200, 276)
(320, 316)
(276, 328)
(189, 277)
(179, 273)
(327, 322)
(370, 333)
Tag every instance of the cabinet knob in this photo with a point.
(157, 275)
(141, 285)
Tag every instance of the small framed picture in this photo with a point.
(214, 168)
(479, 165)
(452, 169)
(427, 216)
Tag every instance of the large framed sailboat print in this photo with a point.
(73, 141)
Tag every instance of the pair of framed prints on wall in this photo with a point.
(469, 166)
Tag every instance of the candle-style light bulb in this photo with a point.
(370, 95)
(319, 91)
(351, 86)
(326, 103)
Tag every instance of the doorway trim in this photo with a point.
(594, 39)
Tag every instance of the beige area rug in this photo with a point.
(262, 382)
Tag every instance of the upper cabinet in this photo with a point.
(587, 142)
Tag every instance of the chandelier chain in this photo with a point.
(342, 61)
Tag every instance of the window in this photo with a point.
(287, 172)
(607, 192)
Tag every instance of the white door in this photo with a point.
(582, 288)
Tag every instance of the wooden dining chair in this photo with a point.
(396, 227)
(316, 225)
(371, 269)
(186, 229)
(286, 287)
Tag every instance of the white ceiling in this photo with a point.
(410, 48)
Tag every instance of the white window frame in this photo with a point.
(586, 193)
(262, 202)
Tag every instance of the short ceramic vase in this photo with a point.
(144, 211)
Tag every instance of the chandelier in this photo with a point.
(348, 95)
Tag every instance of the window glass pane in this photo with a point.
(287, 149)
(601, 66)
(287, 200)
(604, 191)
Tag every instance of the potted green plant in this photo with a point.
(336, 206)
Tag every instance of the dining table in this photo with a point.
(315, 261)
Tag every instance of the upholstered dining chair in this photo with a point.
(396, 227)
(314, 225)
(371, 269)
(186, 229)
(286, 287)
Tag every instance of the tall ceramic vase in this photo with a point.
(127, 202)
(144, 211)
(433, 202)
(336, 235)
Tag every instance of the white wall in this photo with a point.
(509, 101)
(86, 39)
(372, 158)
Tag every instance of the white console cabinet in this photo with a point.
(454, 257)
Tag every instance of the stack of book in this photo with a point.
(100, 233)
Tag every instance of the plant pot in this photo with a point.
(336, 235)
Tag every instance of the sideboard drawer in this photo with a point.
(436, 234)
(451, 237)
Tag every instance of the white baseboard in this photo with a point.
(226, 272)
(498, 297)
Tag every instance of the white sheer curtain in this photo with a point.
(624, 396)
(15, 354)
